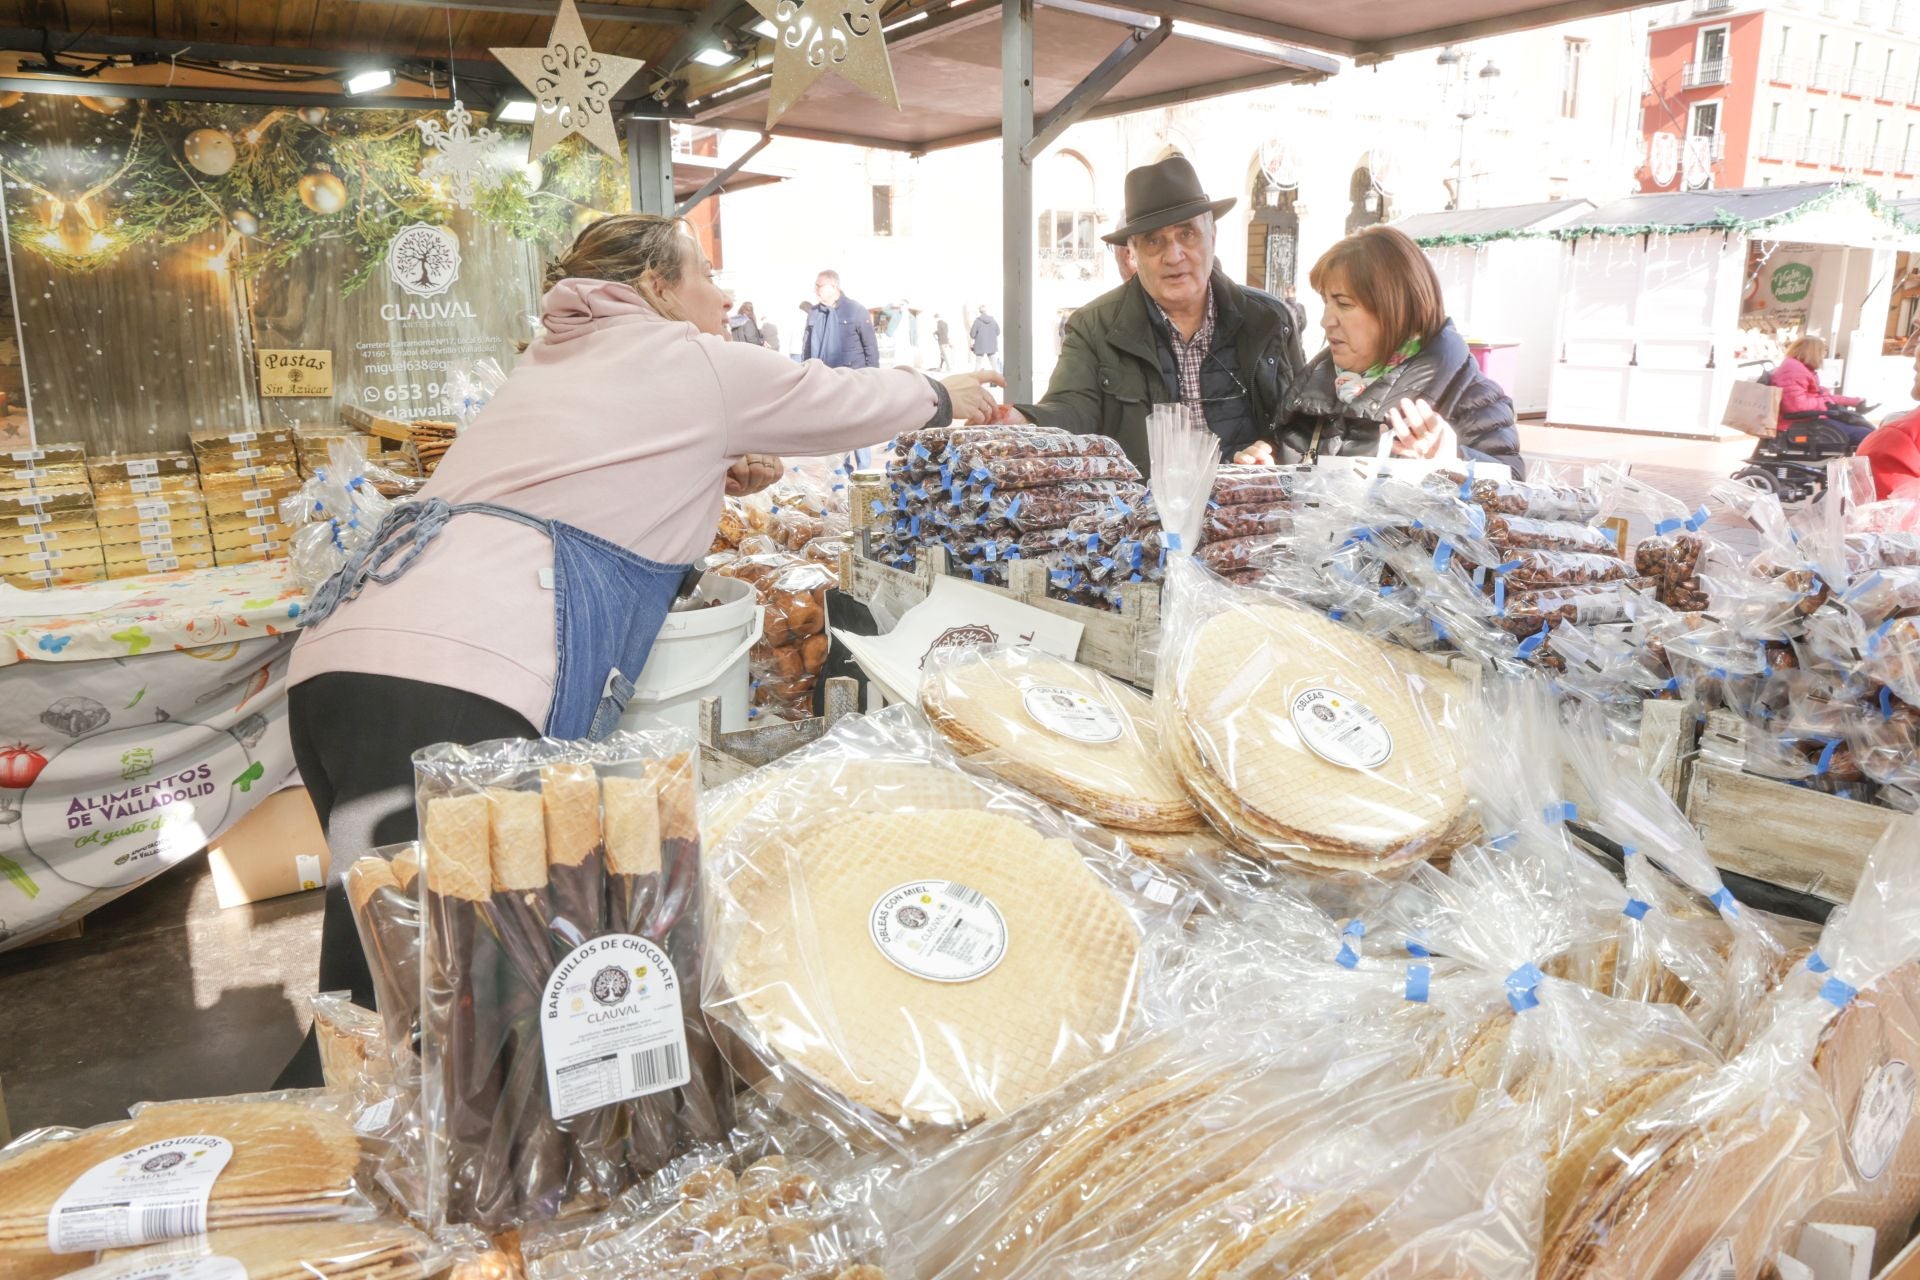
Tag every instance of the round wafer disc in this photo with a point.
(937, 967)
(1065, 732)
(1319, 733)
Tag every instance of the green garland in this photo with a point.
(81, 204)
(1721, 221)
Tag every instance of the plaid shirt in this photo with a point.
(1190, 354)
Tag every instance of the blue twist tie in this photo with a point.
(1500, 597)
(979, 475)
(979, 573)
(1826, 757)
(1479, 575)
(1093, 542)
(1865, 584)
(1336, 614)
(1013, 553)
(1664, 527)
(1508, 567)
(1565, 811)
(1348, 957)
(1815, 964)
(1521, 987)
(1837, 993)
(1635, 909)
(1532, 643)
(1886, 703)
(1439, 630)
(879, 507)
(1879, 634)
(1061, 577)
(1418, 524)
(1386, 590)
(1502, 843)
(1466, 487)
(990, 550)
(1442, 556)
(1417, 949)
(1723, 899)
(1419, 978)
(1013, 508)
(946, 475)
(913, 525)
(1698, 519)
(920, 450)
(1170, 541)
(1672, 685)
(986, 494)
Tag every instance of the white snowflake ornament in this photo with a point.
(462, 154)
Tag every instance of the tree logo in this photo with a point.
(424, 260)
(610, 985)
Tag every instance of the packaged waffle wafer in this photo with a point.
(563, 1052)
(179, 1169)
(353, 1045)
(1066, 733)
(1303, 740)
(707, 1215)
(378, 1250)
(892, 934)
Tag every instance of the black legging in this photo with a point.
(353, 739)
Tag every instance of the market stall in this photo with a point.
(1664, 298)
(143, 719)
(1492, 264)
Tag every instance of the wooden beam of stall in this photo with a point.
(719, 180)
(1094, 88)
(545, 9)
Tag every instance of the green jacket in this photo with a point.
(1112, 368)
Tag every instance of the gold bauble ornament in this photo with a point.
(245, 221)
(75, 231)
(533, 173)
(322, 191)
(312, 115)
(105, 106)
(211, 151)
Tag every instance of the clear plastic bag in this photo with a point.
(384, 895)
(905, 948)
(1303, 740)
(322, 1250)
(1064, 732)
(473, 386)
(354, 1058)
(281, 1159)
(1527, 533)
(337, 511)
(786, 662)
(1538, 501)
(563, 1052)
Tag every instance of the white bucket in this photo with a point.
(699, 653)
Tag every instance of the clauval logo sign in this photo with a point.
(424, 260)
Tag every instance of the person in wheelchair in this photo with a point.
(1803, 400)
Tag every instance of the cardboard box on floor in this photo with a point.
(275, 850)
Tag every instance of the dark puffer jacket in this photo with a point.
(1313, 421)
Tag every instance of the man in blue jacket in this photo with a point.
(839, 330)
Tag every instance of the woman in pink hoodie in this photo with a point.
(1798, 378)
(520, 595)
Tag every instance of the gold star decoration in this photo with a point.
(814, 37)
(572, 86)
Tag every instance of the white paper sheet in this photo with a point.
(956, 613)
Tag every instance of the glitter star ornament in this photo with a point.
(572, 86)
(818, 36)
(461, 155)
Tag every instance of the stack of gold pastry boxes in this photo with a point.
(48, 537)
(246, 475)
(152, 517)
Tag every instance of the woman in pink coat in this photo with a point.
(1798, 378)
(519, 597)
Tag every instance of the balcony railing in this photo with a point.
(1825, 75)
(1883, 159)
(1851, 158)
(1815, 151)
(1697, 74)
(1701, 8)
(1782, 146)
(1893, 89)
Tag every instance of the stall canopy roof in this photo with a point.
(1467, 226)
(1706, 210)
(947, 70)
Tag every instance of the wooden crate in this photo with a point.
(725, 756)
(1124, 645)
(1785, 835)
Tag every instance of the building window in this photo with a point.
(1712, 49)
(1874, 159)
(1705, 121)
(1773, 130)
(1853, 69)
(882, 209)
(1784, 68)
(1820, 54)
(1574, 50)
(1840, 148)
(1886, 77)
(1906, 152)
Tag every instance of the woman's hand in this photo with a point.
(1418, 431)
(752, 473)
(1257, 454)
(972, 402)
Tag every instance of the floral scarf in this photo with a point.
(1349, 386)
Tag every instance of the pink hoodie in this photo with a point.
(618, 422)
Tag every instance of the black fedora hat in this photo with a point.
(1159, 195)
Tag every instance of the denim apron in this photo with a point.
(608, 604)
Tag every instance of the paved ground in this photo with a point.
(166, 995)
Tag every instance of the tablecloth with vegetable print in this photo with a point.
(133, 735)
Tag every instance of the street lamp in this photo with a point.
(1472, 102)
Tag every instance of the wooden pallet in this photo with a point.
(1123, 645)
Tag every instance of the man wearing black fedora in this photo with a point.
(1179, 331)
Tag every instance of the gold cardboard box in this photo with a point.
(26, 542)
(40, 475)
(50, 454)
(158, 549)
(117, 512)
(40, 579)
(252, 553)
(237, 501)
(52, 558)
(252, 535)
(123, 535)
(242, 479)
(119, 468)
(49, 502)
(216, 440)
(47, 522)
(159, 564)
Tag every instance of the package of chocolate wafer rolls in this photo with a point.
(563, 1053)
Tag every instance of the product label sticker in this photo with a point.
(185, 1266)
(157, 547)
(143, 467)
(1881, 1118)
(258, 512)
(254, 495)
(243, 437)
(1717, 1263)
(939, 929)
(156, 529)
(39, 539)
(1072, 714)
(28, 455)
(307, 867)
(611, 1025)
(375, 1118)
(151, 485)
(242, 455)
(155, 1192)
(152, 510)
(33, 521)
(163, 564)
(1340, 730)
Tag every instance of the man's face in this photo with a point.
(826, 290)
(1176, 262)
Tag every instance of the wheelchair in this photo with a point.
(1792, 463)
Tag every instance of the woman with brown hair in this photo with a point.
(1798, 380)
(1394, 365)
(521, 594)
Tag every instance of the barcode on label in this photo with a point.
(28, 455)
(242, 437)
(156, 528)
(157, 547)
(152, 510)
(257, 512)
(657, 1068)
(144, 486)
(254, 495)
(241, 455)
(166, 565)
(31, 521)
(143, 467)
(969, 897)
(168, 1221)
